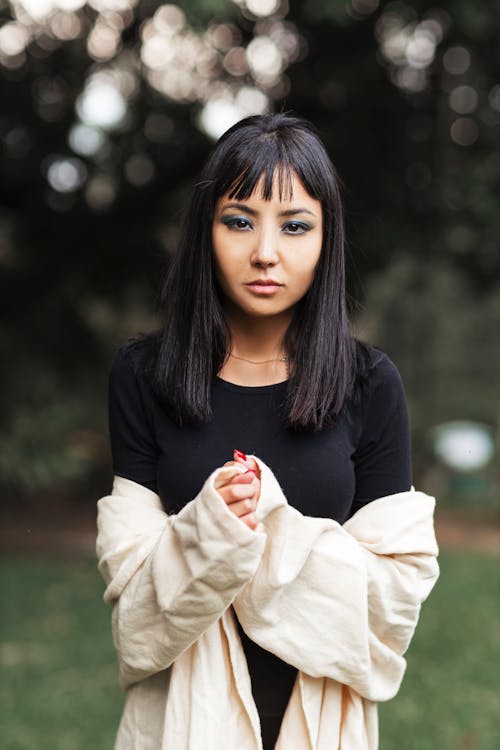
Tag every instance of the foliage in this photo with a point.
(444, 338)
(412, 128)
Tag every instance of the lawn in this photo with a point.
(59, 690)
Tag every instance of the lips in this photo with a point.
(264, 286)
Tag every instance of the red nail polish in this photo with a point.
(240, 455)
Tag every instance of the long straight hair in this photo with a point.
(195, 339)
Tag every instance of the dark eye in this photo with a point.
(295, 227)
(237, 222)
(241, 223)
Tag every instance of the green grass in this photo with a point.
(58, 685)
(450, 696)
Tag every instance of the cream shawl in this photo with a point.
(339, 603)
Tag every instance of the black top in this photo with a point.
(329, 474)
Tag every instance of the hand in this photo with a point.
(239, 487)
(247, 461)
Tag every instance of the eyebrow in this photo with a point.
(252, 212)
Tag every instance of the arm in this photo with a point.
(168, 577)
(382, 459)
(341, 601)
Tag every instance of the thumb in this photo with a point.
(227, 473)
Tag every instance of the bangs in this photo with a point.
(266, 162)
(248, 159)
(279, 175)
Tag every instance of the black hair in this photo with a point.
(195, 340)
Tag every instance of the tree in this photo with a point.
(109, 106)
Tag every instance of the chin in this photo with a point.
(268, 311)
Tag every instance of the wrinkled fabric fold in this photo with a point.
(340, 603)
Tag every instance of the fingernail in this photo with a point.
(240, 455)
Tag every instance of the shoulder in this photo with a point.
(133, 365)
(375, 369)
(379, 387)
(136, 357)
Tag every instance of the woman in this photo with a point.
(264, 600)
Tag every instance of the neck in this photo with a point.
(258, 338)
(258, 345)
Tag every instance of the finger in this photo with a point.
(240, 491)
(247, 478)
(242, 507)
(250, 520)
(253, 465)
(248, 473)
(233, 493)
(226, 474)
(239, 456)
(242, 459)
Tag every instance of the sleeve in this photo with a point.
(383, 458)
(133, 447)
(341, 602)
(169, 578)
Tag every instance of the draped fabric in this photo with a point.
(338, 602)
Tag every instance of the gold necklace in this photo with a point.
(263, 362)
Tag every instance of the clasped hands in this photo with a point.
(238, 483)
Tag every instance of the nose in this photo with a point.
(265, 250)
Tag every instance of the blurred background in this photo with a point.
(107, 110)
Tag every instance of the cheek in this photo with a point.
(225, 269)
(307, 264)
(219, 255)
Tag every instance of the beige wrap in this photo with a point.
(339, 603)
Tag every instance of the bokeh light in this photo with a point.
(17, 142)
(494, 98)
(464, 446)
(457, 60)
(264, 59)
(235, 62)
(463, 99)
(66, 174)
(66, 26)
(181, 62)
(218, 115)
(101, 104)
(364, 7)
(13, 39)
(103, 41)
(86, 140)
(139, 169)
(464, 131)
(409, 46)
(100, 192)
(263, 8)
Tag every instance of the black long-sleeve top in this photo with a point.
(331, 473)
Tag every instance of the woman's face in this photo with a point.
(266, 252)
